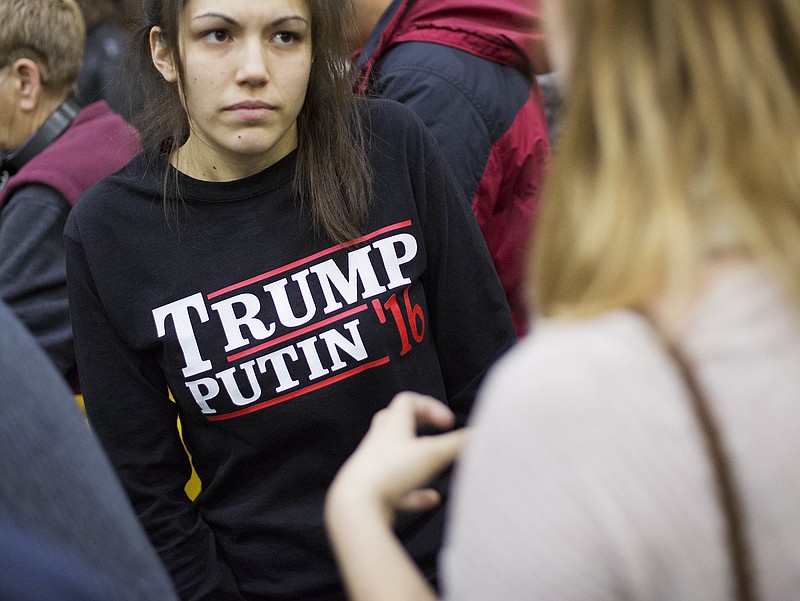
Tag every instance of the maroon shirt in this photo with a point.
(97, 143)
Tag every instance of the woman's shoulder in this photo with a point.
(577, 363)
(141, 179)
(605, 338)
(389, 118)
(385, 108)
(396, 133)
(141, 175)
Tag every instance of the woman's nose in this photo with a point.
(253, 68)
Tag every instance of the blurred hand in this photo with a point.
(382, 476)
(392, 462)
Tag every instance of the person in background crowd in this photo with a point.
(283, 259)
(640, 444)
(67, 530)
(101, 76)
(51, 150)
(468, 67)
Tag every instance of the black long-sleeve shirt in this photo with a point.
(278, 347)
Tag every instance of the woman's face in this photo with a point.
(246, 69)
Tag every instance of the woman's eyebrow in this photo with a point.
(225, 18)
(283, 20)
(232, 21)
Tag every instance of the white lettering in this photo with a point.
(281, 299)
(179, 310)
(336, 341)
(228, 379)
(309, 349)
(234, 325)
(392, 260)
(285, 380)
(360, 269)
(202, 398)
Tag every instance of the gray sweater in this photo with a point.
(586, 476)
(33, 279)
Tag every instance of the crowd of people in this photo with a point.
(313, 253)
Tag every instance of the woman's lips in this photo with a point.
(251, 110)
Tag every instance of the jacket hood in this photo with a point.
(508, 32)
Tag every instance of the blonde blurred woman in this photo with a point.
(641, 443)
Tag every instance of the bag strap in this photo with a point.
(729, 499)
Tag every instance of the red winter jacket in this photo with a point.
(467, 68)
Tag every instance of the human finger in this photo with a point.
(420, 499)
(418, 410)
(438, 451)
(424, 458)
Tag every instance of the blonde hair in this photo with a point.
(49, 32)
(681, 140)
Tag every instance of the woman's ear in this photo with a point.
(162, 57)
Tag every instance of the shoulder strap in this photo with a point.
(55, 125)
(730, 500)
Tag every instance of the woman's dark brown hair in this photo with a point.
(96, 12)
(332, 177)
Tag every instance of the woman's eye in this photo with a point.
(285, 37)
(217, 36)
